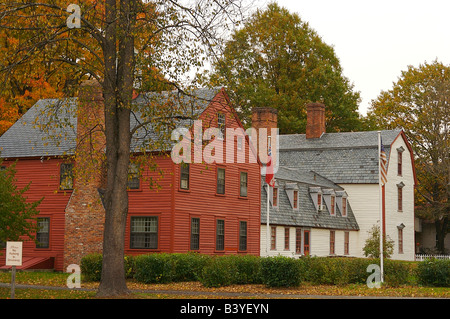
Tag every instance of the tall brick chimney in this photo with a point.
(85, 213)
(315, 122)
(265, 117)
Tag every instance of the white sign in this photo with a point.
(13, 253)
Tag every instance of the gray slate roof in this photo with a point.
(28, 138)
(349, 157)
(306, 215)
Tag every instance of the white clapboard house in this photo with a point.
(327, 193)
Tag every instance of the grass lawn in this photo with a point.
(196, 290)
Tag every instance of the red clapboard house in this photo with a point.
(207, 208)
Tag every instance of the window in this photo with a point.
(332, 242)
(221, 123)
(66, 176)
(346, 242)
(195, 233)
(242, 235)
(400, 240)
(220, 180)
(273, 237)
(184, 176)
(43, 232)
(286, 238)
(344, 207)
(399, 162)
(144, 232)
(133, 176)
(319, 200)
(295, 199)
(306, 242)
(240, 142)
(243, 184)
(400, 197)
(220, 234)
(332, 208)
(298, 240)
(275, 197)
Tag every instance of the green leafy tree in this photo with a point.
(372, 246)
(276, 60)
(17, 216)
(419, 103)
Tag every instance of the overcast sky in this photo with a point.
(376, 40)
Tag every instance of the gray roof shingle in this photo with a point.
(349, 157)
(306, 215)
(49, 127)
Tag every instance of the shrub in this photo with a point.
(218, 272)
(434, 272)
(280, 271)
(154, 268)
(188, 267)
(396, 272)
(91, 267)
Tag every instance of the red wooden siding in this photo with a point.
(44, 178)
(173, 207)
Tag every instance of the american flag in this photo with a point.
(269, 170)
(383, 165)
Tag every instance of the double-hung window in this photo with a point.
(43, 232)
(66, 176)
(184, 176)
(243, 184)
(220, 180)
(242, 235)
(144, 232)
(195, 233)
(220, 234)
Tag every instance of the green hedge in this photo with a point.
(216, 271)
(164, 268)
(281, 271)
(434, 272)
(232, 269)
(91, 267)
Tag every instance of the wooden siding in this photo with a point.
(173, 207)
(44, 177)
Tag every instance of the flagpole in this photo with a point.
(380, 207)
(267, 222)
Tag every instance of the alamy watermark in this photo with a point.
(225, 146)
(74, 279)
(74, 20)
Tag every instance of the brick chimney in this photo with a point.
(265, 117)
(85, 213)
(315, 123)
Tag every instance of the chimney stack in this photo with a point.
(265, 117)
(85, 214)
(315, 123)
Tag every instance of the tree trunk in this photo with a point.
(118, 88)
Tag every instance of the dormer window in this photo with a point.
(295, 199)
(332, 208)
(344, 207)
(341, 202)
(329, 199)
(275, 197)
(292, 194)
(316, 196)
